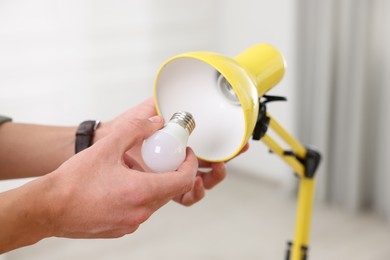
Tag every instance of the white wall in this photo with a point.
(62, 62)
(65, 61)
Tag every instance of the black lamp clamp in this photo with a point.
(262, 122)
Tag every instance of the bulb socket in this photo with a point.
(227, 90)
(185, 120)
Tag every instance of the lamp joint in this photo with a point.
(310, 162)
(263, 120)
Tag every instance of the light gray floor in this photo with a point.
(243, 218)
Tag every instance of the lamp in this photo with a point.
(224, 96)
(221, 93)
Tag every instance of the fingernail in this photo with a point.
(155, 119)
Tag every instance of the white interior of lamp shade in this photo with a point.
(187, 84)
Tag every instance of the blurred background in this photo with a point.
(62, 62)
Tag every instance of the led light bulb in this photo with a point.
(165, 150)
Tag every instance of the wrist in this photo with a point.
(42, 206)
(49, 207)
(102, 131)
(26, 215)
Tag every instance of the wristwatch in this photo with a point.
(85, 133)
(4, 119)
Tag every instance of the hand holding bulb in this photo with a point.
(165, 150)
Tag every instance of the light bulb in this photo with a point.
(227, 90)
(165, 150)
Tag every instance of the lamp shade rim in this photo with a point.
(241, 82)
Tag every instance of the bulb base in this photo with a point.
(185, 120)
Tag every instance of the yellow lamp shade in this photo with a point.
(221, 93)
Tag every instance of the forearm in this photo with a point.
(25, 215)
(28, 150)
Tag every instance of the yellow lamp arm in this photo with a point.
(295, 145)
(290, 160)
(304, 162)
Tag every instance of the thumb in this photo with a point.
(172, 184)
(134, 131)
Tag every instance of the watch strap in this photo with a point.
(4, 119)
(84, 134)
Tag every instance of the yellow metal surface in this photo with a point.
(306, 186)
(253, 72)
(290, 160)
(295, 146)
(241, 82)
(303, 219)
(266, 63)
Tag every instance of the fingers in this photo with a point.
(206, 180)
(176, 183)
(245, 148)
(215, 176)
(146, 109)
(195, 195)
(133, 131)
(190, 163)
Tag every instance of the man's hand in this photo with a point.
(205, 180)
(104, 197)
(209, 175)
(94, 194)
